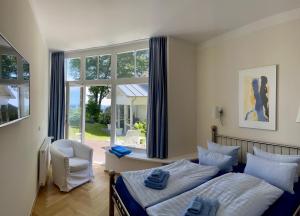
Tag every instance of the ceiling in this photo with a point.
(79, 24)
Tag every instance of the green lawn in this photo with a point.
(96, 132)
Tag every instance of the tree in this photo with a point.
(98, 93)
(73, 67)
(142, 63)
(125, 65)
(91, 68)
(92, 111)
(133, 64)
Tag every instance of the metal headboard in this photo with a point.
(246, 145)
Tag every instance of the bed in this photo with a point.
(287, 205)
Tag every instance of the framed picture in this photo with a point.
(257, 98)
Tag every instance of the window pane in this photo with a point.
(105, 67)
(74, 115)
(26, 74)
(24, 100)
(125, 65)
(142, 63)
(131, 115)
(91, 68)
(73, 69)
(9, 67)
(9, 106)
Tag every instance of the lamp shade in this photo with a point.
(298, 116)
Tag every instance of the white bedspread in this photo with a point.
(184, 175)
(238, 194)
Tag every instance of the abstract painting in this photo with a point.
(257, 98)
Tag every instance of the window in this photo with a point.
(133, 64)
(105, 67)
(131, 117)
(125, 65)
(91, 68)
(25, 69)
(142, 63)
(74, 113)
(98, 67)
(73, 69)
(113, 87)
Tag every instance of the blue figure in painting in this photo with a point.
(260, 111)
(263, 95)
(258, 101)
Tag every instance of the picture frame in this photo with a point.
(257, 97)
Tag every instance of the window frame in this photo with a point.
(112, 82)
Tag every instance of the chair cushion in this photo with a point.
(77, 164)
(68, 151)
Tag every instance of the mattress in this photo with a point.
(286, 205)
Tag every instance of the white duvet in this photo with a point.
(184, 175)
(239, 194)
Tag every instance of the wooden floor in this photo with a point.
(87, 200)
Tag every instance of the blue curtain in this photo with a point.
(157, 119)
(57, 96)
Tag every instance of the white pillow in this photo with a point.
(67, 151)
(206, 157)
(279, 158)
(278, 174)
(227, 150)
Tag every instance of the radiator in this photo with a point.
(44, 161)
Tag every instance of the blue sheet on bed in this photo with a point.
(284, 206)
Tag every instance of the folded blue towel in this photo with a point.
(118, 154)
(157, 175)
(195, 206)
(208, 207)
(157, 185)
(214, 207)
(157, 172)
(121, 149)
(205, 208)
(190, 214)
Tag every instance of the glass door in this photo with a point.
(74, 112)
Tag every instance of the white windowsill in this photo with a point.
(140, 154)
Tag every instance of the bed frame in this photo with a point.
(246, 145)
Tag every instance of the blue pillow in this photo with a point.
(279, 158)
(278, 174)
(206, 157)
(227, 150)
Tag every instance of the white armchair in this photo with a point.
(72, 164)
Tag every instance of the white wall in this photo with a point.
(181, 97)
(19, 142)
(218, 63)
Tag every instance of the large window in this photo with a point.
(107, 97)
